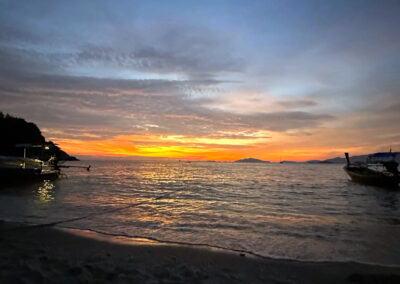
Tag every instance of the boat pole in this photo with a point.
(81, 167)
(347, 158)
(24, 157)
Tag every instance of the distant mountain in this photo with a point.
(353, 159)
(16, 130)
(340, 160)
(323, 162)
(314, 162)
(337, 160)
(251, 160)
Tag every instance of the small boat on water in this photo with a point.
(22, 169)
(18, 169)
(380, 169)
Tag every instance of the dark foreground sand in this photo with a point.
(48, 255)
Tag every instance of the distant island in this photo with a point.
(16, 131)
(288, 162)
(251, 160)
(337, 160)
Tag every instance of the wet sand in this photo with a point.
(49, 255)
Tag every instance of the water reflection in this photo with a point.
(45, 192)
(296, 211)
(388, 200)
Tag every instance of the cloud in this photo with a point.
(132, 105)
(93, 72)
(14, 33)
(296, 103)
(183, 50)
(381, 113)
(15, 61)
(285, 120)
(192, 51)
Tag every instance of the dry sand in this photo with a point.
(49, 255)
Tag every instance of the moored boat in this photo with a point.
(380, 169)
(18, 169)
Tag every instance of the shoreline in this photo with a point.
(49, 255)
(145, 240)
(141, 240)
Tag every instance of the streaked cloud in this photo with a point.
(217, 81)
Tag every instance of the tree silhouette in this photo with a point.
(14, 130)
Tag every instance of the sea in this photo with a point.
(306, 212)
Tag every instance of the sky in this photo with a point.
(205, 80)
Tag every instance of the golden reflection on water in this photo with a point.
(45, 192)
(171, 212)
(300, 212)
(164, 171)
(147, 188)
(172, 208)
(158, 193)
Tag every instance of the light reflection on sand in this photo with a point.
(110, 238)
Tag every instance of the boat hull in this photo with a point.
(8, 175)
(370, 177)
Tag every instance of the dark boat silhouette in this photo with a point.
(18, 169)
(380, 169)
(22, 169)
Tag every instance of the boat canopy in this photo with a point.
(384, 155)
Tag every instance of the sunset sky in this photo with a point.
(205, 80)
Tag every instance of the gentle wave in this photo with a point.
(211, 246)
(307, 212)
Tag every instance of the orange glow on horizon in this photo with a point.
(201, 148)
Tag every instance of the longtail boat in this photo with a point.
(380, 169)
(26, 169)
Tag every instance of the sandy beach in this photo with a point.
(50, 255)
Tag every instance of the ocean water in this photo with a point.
(294, 211)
